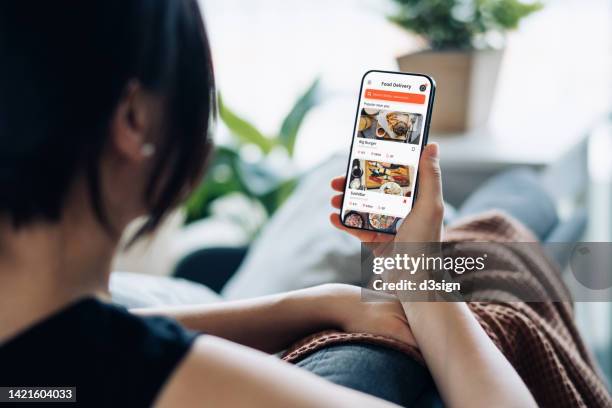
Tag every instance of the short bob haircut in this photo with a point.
(64, 66)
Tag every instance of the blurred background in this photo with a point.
(519, 84)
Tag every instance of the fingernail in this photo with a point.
(434, 150)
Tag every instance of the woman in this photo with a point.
(105, 115)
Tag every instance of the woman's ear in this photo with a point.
(131, 125)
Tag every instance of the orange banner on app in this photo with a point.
(393, 96)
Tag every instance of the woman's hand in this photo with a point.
(274, 322)
(353, 315)
(424, 223)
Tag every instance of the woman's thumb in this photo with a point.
(430, 182)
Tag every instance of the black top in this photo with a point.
(112, 357)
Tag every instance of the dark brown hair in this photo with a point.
(64, 65)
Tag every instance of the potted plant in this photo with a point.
(465, 46)
(265, 182)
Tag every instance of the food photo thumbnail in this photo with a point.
(370, 221)
(389, 125)
(385, 178)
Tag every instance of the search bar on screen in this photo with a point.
(393, 96)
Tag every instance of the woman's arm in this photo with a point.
(268, 323)
(272, 323)
(467, 367)
(219, 373)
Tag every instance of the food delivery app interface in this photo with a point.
(384, 159)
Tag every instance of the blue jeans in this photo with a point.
(376, 370)
(393, 376)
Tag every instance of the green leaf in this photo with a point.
(292, 122)
(244, 131)
(222, 177)
(508, 13)
(454, 24)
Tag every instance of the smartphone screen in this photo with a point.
(390, 131)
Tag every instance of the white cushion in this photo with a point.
(140, 290)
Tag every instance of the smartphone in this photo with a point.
(391, 128)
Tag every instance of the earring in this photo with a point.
(148, 149)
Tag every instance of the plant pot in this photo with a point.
(465, 82)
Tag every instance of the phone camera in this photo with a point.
(422, 88)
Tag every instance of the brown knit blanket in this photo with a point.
(539, 339)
